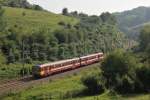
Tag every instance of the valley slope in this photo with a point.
(131, 21)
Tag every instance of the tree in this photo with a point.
(93, 83)
(107, 17)
(65, 11)
(11, 57)
(74, 13)
(2, 58)
(2, 22)
(37, 7)
(145, 38)
(61, 36)
(119, 71)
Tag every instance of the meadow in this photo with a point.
(27, 20)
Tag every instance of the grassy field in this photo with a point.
(28, 20)
(58, 89)
(12, 71)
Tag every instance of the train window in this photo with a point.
(55, 66)
(59, 65)
(64, 64)
(45, 68)
(69, 62)
(49, 68)
(36, 69)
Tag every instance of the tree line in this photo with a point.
(91, 34)
(20, 4)
(123, 72)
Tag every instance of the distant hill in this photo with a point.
(130, 22)
(20, 4)
(28, 20)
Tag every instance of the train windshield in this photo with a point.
(35, 69)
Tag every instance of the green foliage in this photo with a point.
(20, 4)
(145, 38)
(107, 17)
(37, 7)
(143, 74)
(14, 71)
(144, 45)
(93, 83)
(43, 36)
(131, 22)
(118, 70)
(2, 59)
(65, 11)
(2, 20)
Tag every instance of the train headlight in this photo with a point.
(42, 73)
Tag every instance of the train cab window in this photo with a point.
(36, 69)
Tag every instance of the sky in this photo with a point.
(91, 7)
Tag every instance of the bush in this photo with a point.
(93, 84)
(118, 70)
(2, 58)
(143, 75)
(61, 23)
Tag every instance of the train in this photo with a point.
(44, 70)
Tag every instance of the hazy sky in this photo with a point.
(90, 6)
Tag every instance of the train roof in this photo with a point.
(63, 61)
(57, 62)
(90, 55)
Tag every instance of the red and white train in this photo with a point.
(47, 69)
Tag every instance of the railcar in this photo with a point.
(47, 69)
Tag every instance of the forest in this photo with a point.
(31, 35)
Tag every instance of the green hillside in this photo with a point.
(33, 37)
(131, 21)
(28, 20)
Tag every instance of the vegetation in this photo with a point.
(28, 37)
(57, 89)
(66, 88)
(93, 83)
(38, 36)
(122, 72)
(132, 21)
(20, 4)
(118, 70)
(65, 11)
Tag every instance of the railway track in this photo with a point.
(19, 84)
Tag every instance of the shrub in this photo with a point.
(2, 58)
(93, 84)
(118, 70)
(143, 75)
(61, 23)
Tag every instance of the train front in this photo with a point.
(36, 71)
